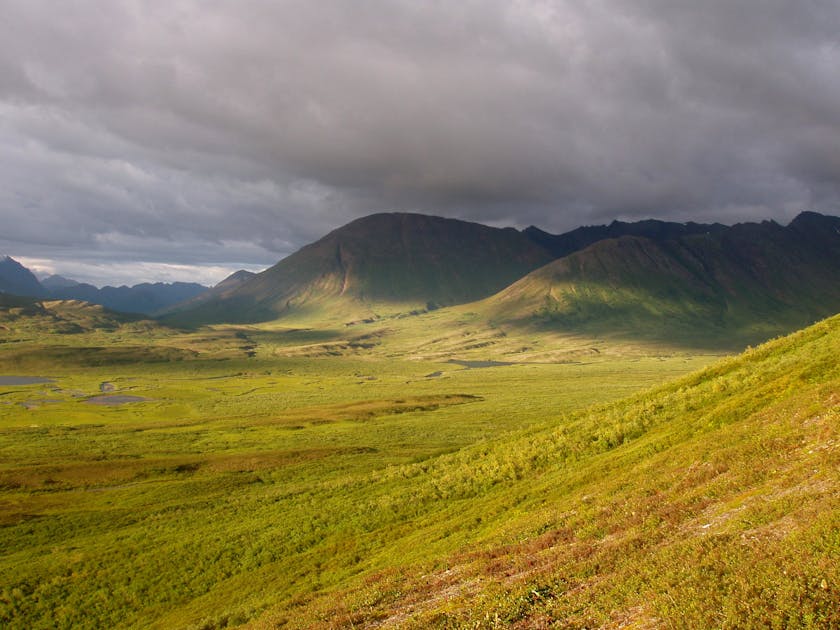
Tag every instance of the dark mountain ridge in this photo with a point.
(622, 274)
(145, 298)
(218, 292)
(635, 276)
(54, 282)
(750, 278)
(561, 245)
(16, 279)
(409, 260)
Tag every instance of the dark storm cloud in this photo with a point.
(232, 132)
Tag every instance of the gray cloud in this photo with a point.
(221, 132)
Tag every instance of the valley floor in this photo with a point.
(287, 478)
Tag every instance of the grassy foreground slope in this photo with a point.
(234, 483)
(711, 502)
(357, 490)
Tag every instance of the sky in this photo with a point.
(146, 140)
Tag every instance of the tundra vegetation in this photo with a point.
(354, 476)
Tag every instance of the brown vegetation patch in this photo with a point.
(369, 409)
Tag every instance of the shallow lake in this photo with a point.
(24, 380)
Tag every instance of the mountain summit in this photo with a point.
(17, 279)
(649, 275)
(383, 261)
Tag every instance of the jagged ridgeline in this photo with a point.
(745, 282)
(146, 298)
(752, 280)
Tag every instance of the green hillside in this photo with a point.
(220, 291)
(351, 490)
(56, 334)
(743, 284)
(708, 287)
(380, 263)
(710, 502)
(21, 316)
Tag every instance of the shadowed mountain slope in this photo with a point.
(17, 279)
(218, 292)
(56, 282)
(380, 261)
(756, 279)
(146, 298)
(234, 280)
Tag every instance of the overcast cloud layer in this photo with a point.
(201, 136)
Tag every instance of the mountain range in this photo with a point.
(651, 276)
(666, 278)
(145, 298)
(760, 277)
(391, 261)
(561, 245)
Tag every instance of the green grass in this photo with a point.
(712, 502)
(351, 475)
